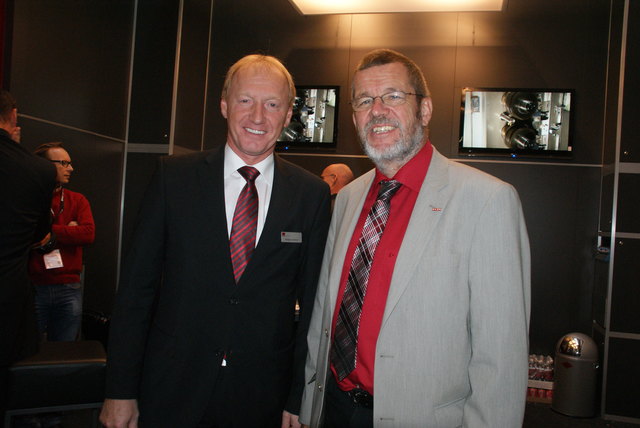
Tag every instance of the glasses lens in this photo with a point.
(64, 163)
(394, 98)
(390, 99)
(363, 103)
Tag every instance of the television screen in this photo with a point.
(314, 123)
(515, 122)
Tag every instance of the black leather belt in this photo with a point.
(361, 398)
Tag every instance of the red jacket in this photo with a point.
(70, 239)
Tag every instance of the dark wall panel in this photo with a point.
(628, 219)
(601, 283)
(606, 202)
(194, 47)
(613, 77)
(622, 378)
(153, 70)
(70, 62)
(625, 299)
(630, 148)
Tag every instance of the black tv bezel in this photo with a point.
(299, 146)
(510, 152)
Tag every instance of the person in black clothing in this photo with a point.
(28, 183)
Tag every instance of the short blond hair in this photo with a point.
(261, 61)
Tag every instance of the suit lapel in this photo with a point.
(430, 205)
(211, 179)
(283, 195)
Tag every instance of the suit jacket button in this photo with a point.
(320, 387)
(326, 332)
(234, 301)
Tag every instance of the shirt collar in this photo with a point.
(232, 162)
(412, 173)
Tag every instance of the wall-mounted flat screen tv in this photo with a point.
(314, 123)
(516, 122)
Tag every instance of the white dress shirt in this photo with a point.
(234, 182)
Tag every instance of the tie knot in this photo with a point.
(249, 173)
(388, 188)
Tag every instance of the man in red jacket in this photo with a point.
(56, 275)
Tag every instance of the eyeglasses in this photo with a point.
(394, 98)
(64, 163)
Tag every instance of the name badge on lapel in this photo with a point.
(291, 237)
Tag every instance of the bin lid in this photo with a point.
(578, 345)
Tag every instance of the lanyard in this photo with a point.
(61, 204)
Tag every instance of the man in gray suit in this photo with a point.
(422, 310)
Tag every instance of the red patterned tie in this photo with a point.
(245, 223)
(343, 351)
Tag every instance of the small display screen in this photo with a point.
(516, 122)
(314, 123)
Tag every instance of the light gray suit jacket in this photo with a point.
(453, 345)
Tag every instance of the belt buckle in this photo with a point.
(362, 398)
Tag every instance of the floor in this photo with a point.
(537, 415)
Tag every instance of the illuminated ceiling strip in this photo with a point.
(320, 7)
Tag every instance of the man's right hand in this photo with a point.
(119, 413)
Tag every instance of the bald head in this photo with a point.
(337, 176)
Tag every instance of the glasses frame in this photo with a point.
(63, 163)
(382, 97)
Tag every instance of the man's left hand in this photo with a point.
(289, 420)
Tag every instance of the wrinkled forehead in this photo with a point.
(261, 70)
(379, 79)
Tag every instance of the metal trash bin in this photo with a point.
(575, 376)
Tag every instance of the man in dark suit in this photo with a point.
(198, 340)
(28, 183)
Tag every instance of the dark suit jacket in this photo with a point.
(179, 311)
(27, 186)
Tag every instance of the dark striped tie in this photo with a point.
(245, 223)
(343, 351)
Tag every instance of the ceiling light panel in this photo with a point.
(321, 7)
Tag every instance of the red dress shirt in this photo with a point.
(411, 175)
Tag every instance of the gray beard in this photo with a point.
(396, 155)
